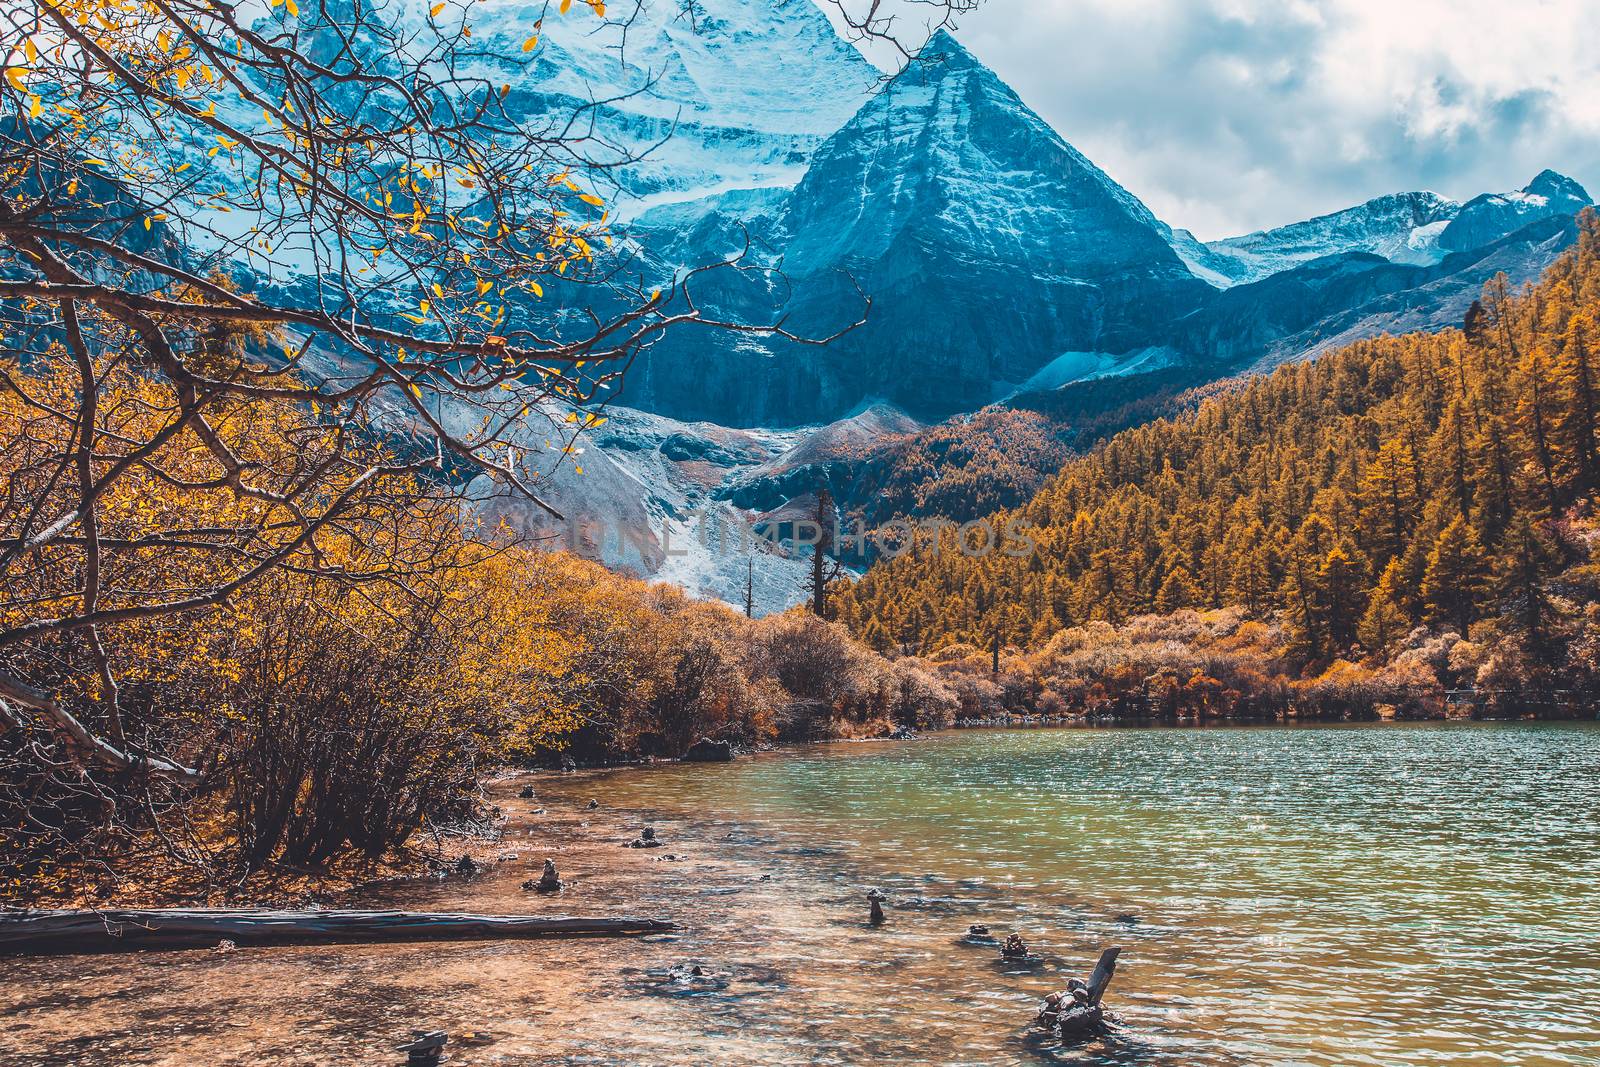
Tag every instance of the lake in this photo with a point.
(1387, 895)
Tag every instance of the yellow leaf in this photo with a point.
(590, 198)
(294, 9)
(433, 12)
(418, 319)
(29, 50)
(438, 292)
(531, 43)
(35, 105)
(147, 224)
(566, 5)
(14, 75)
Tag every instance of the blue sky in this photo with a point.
(1227, 116)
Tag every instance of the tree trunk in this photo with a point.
(59, 932)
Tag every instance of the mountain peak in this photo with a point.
(1556, 186)
(1491, 216)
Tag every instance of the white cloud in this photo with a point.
(1232, 115)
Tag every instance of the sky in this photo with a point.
(1227, 116)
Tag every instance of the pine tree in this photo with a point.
(1456, 578)
(1341, 577)
(1389, 499)
(1177, 592)
(1521, 588)
(1385, 620)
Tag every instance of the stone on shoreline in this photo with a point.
(706, 750)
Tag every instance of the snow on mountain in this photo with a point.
(987, 244)
(1493, 215)
(1418, 229)
(716, 95)
(1401, 227)
(655, 497)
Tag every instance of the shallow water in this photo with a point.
(1398, 895)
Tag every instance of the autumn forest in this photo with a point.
(1403, 517)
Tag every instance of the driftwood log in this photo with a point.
(1075, 1013)
(57, 932)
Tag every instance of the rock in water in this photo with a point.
(549, 881)
(875, 901)
(1075, 1013)
(646, 839)
(706, 750)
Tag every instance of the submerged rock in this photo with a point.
(646, 839)
(978, 934)
(706, 750)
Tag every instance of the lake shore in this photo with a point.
(733, 892)
(1261, 914)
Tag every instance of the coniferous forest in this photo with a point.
(1404, 517)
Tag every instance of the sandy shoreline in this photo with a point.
(613, 1000)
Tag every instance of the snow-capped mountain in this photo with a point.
(713, 95)
(1000, 264)
(1401, 227)
(1418, 228)
(1491, 216)
(987, 244)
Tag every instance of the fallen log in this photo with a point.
(1074, 1013)
(37, 932)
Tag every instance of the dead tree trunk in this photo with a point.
(60, 932)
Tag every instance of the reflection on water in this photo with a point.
(1388, 896)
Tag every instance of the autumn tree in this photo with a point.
(1385, 621)
(274, 283)
(1456, 576)
(1434, 478)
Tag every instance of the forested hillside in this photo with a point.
(1431, 480)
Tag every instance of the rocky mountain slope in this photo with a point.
(1000, 262)
(987, 244)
